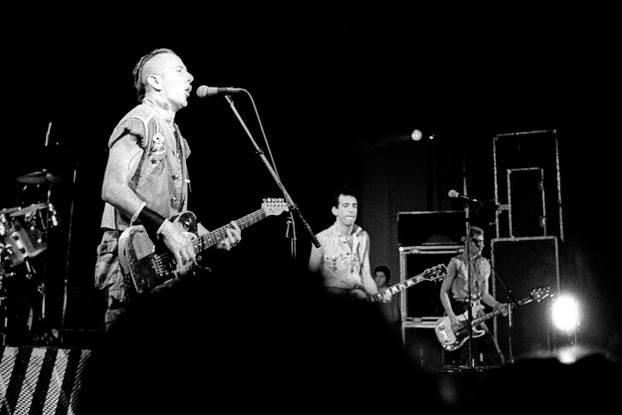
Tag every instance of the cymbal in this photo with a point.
(38, 177)
(29, 210)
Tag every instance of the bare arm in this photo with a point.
(488, 298)
(316, 259)
(491, 301)
(446, 290)
(368, 281)
(122, 162)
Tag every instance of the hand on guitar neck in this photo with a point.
(180, 243)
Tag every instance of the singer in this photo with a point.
(146, 177)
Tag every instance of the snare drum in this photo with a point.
(21, 236)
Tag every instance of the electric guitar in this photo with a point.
(152, 266)
(452, 340)
(430, 274)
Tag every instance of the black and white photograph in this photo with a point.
(309, 209)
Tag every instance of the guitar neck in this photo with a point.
(493, 313)
(394, 289)
(212, 238)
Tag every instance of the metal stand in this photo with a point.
(41, 333)
(467, 253)
(290, 202)
(4, 312)
(510, 300)
(67, 257)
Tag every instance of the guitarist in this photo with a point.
(146, 177)
(454, 298)
(343, 257)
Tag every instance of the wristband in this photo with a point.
(151, 220)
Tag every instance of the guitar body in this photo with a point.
(141, 258)
(452, 340)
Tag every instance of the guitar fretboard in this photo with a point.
(212, 238)
(394, 289)
(403, 285)
(491, 314)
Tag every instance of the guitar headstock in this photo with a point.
(272, 206)
(435, 272)
(540, 293)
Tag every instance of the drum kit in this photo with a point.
(24, 232)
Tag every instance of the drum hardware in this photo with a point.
(23, 237)
(39, 177)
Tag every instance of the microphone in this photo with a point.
(455, 195)
(209, 91)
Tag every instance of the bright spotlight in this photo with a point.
(565, 313)
(416, 135)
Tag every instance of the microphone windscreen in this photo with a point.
(202, 91)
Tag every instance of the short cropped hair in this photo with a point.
(139, 83)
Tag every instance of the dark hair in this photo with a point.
(343, 191)
(137, 72)
(386, 270)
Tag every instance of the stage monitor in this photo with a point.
(430, 228)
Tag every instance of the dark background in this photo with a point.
(338, 95)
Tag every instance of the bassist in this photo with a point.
(454, 298)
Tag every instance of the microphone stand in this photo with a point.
(290, 233)
(467, 251)
(67, 256)
(512, 300)
(288, 199)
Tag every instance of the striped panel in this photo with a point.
(40, 380)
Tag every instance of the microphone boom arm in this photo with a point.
(290, 202)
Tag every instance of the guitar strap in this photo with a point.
(181, 150)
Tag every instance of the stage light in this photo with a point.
(416, 135)
(565, 313)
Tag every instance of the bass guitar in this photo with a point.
(451, 339)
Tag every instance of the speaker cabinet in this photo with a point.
(522, 265)
(423, 299)
(527, 183)
(422, 346)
